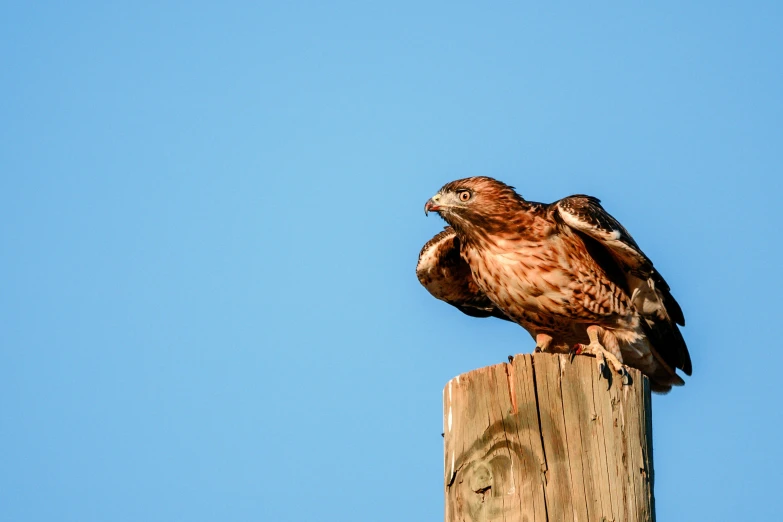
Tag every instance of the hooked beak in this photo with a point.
(432, 204)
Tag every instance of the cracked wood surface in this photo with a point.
(545, 439)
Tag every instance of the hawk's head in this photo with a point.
(478, 201)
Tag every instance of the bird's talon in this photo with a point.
(626, 376)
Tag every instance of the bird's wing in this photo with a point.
(613, 248)
(445, 275)
(585, 214)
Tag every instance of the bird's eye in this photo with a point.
(464, 195)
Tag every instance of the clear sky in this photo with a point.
(210, 217)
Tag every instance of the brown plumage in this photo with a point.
(567, 272)
(443, 272)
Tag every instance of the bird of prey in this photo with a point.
(567, 272)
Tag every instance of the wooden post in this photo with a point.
(543, 438)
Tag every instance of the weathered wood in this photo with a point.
(546, 439)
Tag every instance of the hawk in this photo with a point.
(567, 272)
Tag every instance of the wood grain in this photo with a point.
(546, 439)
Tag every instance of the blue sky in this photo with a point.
(210, 218)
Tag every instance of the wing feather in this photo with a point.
(445, 275)
(613, 248)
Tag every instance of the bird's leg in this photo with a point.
(543, 341)
(603, 357)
